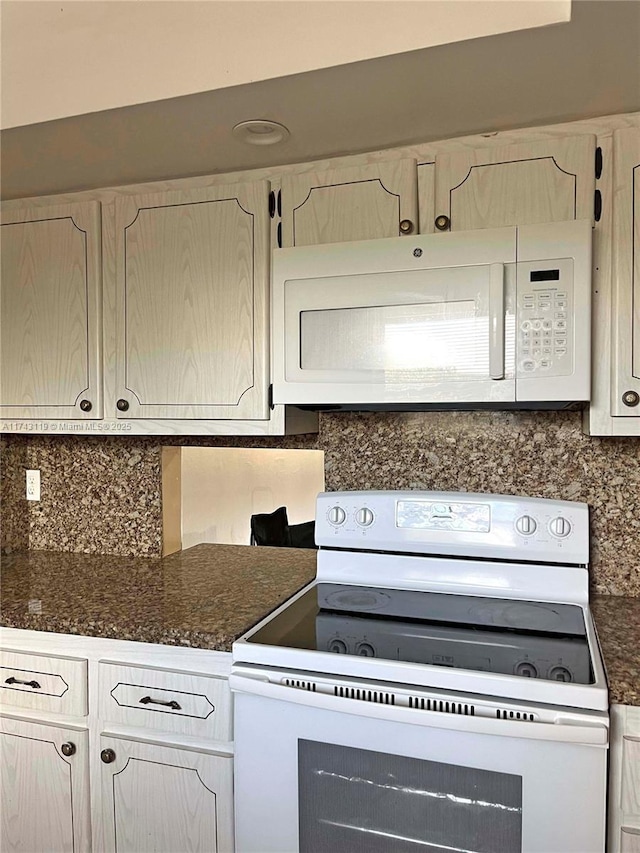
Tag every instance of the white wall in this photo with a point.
(68, 58)
(223, 487)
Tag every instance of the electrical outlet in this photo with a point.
(33, 484)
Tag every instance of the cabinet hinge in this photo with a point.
(270, 396)
(279, 202)
(272, 204)
(597, 206)
(598, 162)
(279, 233)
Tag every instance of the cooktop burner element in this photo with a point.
(357, 599)
(465, 610)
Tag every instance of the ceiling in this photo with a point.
(67, 58)
(588, 67)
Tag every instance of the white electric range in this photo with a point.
(438, 687)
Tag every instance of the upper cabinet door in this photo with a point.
(354, 203)
(50, 312)
(524, 184)
(625, 395)
(192, 300)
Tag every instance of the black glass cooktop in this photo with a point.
(523, 638)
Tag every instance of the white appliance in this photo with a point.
(495, 318)
(438, 687)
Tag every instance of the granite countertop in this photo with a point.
(209, 595)
(617, 619)
(203, 597)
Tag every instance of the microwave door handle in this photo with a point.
(496, 321)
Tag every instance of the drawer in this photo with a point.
(178, 702)
(631, 776)
(43, 683)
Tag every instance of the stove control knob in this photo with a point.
(525, 525)
(339, 647)
(364, 517)
(337, 515)
(559, 673)
(527, 669)
(366, 650)
(559, 527)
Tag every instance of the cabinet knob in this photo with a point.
(85, 405)
(68, 749)
(631, 398)
(122, 405)
(406, 226)
(442, 222)
(108, 756)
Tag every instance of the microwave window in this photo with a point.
(426, 339)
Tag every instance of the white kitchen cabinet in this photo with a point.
(43, 683)
(531, 182)
(164, 712)
(625, 339)
(624, 780)
(158, 328)
(157, 795)
(159, 799)
(192, 303)
(172, 702)
(629, 840)
(45, 788)
(352, 203)
(50, 312)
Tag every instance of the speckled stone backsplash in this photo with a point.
(102, 495)
(14, 520)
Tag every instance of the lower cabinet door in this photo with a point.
(161, 799)
(45, 788)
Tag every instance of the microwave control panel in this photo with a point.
(545, 319)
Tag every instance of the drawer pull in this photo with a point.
(147, 700)
(13, 680)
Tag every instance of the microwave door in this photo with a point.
(414, 337)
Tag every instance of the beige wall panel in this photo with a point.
(171, 502)
(223, 487)
(426, 196)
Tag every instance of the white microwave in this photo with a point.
(497, 318)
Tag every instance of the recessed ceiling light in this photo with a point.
(260, 132)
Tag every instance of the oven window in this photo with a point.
(359, 801)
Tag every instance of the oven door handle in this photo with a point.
(566, 730)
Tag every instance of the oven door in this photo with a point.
(316, 773)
